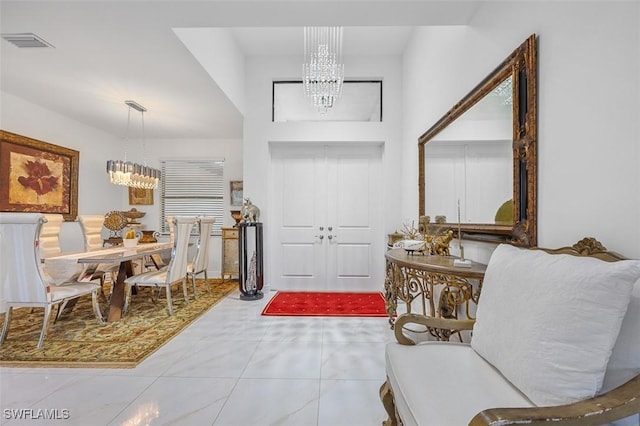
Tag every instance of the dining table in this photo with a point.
(119, 254)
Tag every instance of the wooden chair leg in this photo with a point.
(389, 406)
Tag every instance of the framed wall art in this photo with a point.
(37, 176)
(236, 192)
(140, 196)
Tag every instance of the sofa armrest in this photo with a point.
(618, 403)
(439, 327)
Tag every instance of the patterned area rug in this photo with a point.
(326, 304)
(78, 340)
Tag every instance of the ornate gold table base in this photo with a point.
(432, 282)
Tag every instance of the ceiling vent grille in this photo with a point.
(25, 40)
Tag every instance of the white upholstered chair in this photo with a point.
(201, 260)
(49, 244)
(50, 235)
(171, 225)
(23, 280)
(91, 226)
(175, 272)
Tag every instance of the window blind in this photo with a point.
(192, 188)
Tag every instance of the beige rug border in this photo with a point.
(109, 364)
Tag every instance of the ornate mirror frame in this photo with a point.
(521, 65)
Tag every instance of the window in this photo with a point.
(361, 100)
(192, 188)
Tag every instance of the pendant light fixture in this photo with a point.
(322, 69)
(133, 174)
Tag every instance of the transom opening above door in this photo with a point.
(361, 100)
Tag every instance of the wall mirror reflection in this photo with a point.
(360, 101)
(477, 164)
(472, 161)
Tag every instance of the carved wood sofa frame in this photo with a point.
(618, 403)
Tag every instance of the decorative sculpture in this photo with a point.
(250, 212)
(440, 243)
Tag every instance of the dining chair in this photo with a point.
(171, 226)
(50, 239)
(175, 272)
(50, 246)
(23, 280)
(50, 235)
(155, 260)
(200, 261)
(91, 226)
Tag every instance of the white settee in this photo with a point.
(556, 339)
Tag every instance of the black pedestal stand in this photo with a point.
(250, 284)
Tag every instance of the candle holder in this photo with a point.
(462, 262)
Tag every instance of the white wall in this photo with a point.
(95, 194)
(588, 109)
(259, 131)
(219, 54)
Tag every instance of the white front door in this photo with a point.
(327, 218)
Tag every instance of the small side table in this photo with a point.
(441, 289)
(229, 261)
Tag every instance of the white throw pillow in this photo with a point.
(624, 363)
(549, 322)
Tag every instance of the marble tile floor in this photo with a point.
(231, 367)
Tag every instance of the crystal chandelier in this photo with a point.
(133, 174)
(322, 70)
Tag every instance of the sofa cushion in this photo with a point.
(442, 383)
(554, 337)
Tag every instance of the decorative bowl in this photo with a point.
(411, 245)
(133, 215)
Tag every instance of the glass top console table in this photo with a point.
(431, 285)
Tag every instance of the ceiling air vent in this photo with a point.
(25, 40)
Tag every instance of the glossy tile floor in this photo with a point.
(231, 367)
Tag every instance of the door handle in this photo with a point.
(329, 228)
(331, 237)
(321, 237)
(322, 228)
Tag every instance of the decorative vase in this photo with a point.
(148, 237)
(236, 215)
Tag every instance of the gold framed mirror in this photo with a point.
(477, 165)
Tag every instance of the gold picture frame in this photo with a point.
(37, 176)
(140, 196)
(235, 188)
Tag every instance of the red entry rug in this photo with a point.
(322, 304)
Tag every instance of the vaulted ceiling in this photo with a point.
(105, 52)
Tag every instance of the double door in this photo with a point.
(327, 218)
